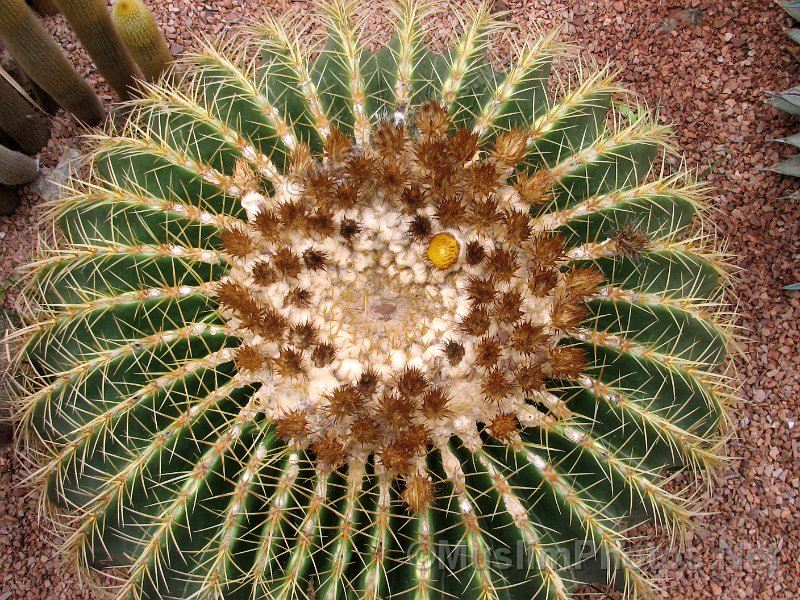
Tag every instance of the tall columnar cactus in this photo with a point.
(92, 23)
(16, 168)
(137, 27)
(42, 60)
(383, 325)
(45, 7)
(29, 129)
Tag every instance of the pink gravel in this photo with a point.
(708, 65)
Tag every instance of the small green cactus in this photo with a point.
(43, 61)
(375, 325)
(137, 27)
(92, 23)
(28, 128)
(16, 168)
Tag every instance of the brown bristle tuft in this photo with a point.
(548, 249)
(272, 325)
(528, 338)
(389, 140)
(393, 179)
(518, 228)
(319, 186)
(542, 281)
(508, 307)
(315, 259)
(349, 229)
(503, 264)
(236, 242)
(263, 273)
(301, 159)
(584, 281)
(250, 359)
(292, 425)
(330, 452)
(290, 363)
(268, 224)
(345, 196)
(511, 147)
(365, 430)
(481, 290)
(431, 120)
(418, 494)
(631, 240)
(530, 378)
(412, 199)
(343, 402)
(568, 312)
(237, 298)
(450, 211)
(244, 177)
(303, 335)
(463, 146)
(320, 222)
(338, 146)
(476, 322)
(484, 214)
(323, 355)
(431, 155)
(435, 403)
(505, 428)
(299, 297)
(420, 228)
(287, 262)
(396, 411)
(359, 169)
(396, 458)
(294, 215)
(454, 352)
(535, 189)
(475, 253)
(482, 179)
(487, 353)
(368, 383)
(411, 382)
(495, 385)
(567, 362)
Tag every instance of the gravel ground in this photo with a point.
(708, 65)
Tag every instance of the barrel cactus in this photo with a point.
(323, 322)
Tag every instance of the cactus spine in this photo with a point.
(137, 27)
(28, 128)
(16, 168)
(254, 373)
(42, 60)
(92, 23)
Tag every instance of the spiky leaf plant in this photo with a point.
(327, 323)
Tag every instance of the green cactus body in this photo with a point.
(42, 60)
(92, 23)
(137, 27)
(16, 168)
(21, 121)
(245, 373)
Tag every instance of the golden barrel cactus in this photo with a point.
(328, 323)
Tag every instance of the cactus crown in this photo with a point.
(313, 326)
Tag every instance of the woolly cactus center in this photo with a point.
(365, 334)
